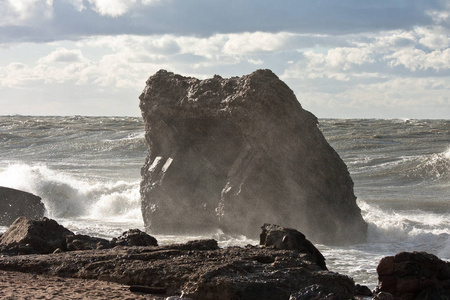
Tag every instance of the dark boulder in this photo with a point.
(42, 236)
(135, 237)
(15, 203)
(290, 239)
(414, 276)
(362, 290)
(232, 153)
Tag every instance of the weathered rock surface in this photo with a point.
(290, 239)
(135, 237)
(36, 236)
(231, 153)
(414, 276)
(85, 242)
(15, 203)
(231, 273)
(314, 292)
(196, 269)
(45, 235)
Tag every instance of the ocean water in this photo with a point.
(87, 171)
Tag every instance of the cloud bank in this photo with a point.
(347, 58)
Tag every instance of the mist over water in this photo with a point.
(87, 171)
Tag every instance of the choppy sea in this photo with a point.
(87, 171)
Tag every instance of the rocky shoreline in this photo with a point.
(54, 263)
(285, 266)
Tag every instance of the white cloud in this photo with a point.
(255, 62)
(440, 16)
(20, 12)
(78, 4)
(345, 58)
(112, 8)
(434, 37)
(416, 59)
(63, 55)
(386, 42)
(150, 2)
(337, 64)
(392, 98)
(254, 42)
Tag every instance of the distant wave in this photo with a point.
(435, 166)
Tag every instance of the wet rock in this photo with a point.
(383, 296)
(232, 153)
(219, 274)
(198, 245)
(290, 239)
(147, 289)
(135, 237)
(314, 292)
(362, 290)
(40, 236)
(85, 242)
(414, 275)
(15, 203)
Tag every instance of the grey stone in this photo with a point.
(15, 203)
(232, 153)
(42, 236)
(135, 237)
(290, 239)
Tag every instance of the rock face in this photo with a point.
(15, 203)
(414, 276)
(232, 153)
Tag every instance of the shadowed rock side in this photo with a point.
(231, 153)
(414, 276)
(15, 203)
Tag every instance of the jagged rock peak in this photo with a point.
(172, 89)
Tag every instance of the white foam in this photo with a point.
(407, 230)
(65, 196)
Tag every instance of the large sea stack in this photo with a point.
(236, 153)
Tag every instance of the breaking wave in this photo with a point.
(65, 196)
(411, 228)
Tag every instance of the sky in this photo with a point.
(342, 59)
